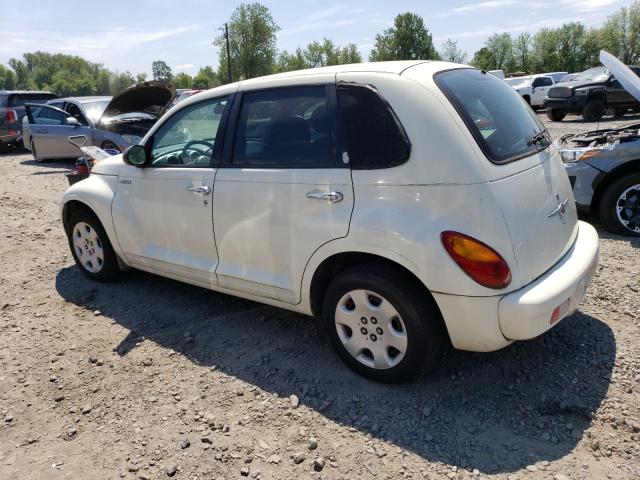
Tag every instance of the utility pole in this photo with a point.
(226, 36)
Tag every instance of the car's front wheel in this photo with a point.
(593, 111)
(555, 115)
(620, 206)
(381, 323)
(90, 247)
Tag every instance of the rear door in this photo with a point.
(283, 190)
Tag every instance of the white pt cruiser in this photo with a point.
(400, 202)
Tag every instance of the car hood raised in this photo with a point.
(627, 78)
(152, 98)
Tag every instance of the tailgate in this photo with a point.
(540, 212)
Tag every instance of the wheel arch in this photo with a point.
(336, 262)
(618, 172)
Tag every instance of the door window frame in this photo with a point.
(336, 149)
(218, 143)
(29, 106)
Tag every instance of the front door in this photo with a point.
(541, 86)
(50, 133)
(163, 213)
(283, 190)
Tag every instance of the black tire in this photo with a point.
(619, 112)
(555, 115)
(421, 319)
(593, 111)
(608, 206)
(527, 99)
(109, 269)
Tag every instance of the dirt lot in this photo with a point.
(149, 378)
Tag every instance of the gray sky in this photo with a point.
(130, 35)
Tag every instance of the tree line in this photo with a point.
(571, 47)
(253, 52)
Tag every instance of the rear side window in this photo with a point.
(284, 128)
(19, 99)
(501, 122)
(373, 134)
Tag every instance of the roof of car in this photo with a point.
(84, 99)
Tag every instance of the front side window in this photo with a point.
(284, 128)
(187, 139)
(501, 122)
(373, 134)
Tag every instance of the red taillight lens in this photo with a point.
(479, 261)
(10, 116)
(81, 169)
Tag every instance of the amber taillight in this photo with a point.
(481, 262)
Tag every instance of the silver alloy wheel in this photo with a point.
(371, 329)
(88, 247)
(628, 208)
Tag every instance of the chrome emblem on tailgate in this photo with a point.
(561, 209)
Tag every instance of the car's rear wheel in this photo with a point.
(555, 115)
(381, 323)
(90, 247)
(619, 112)
(593, 111)
(619, 207)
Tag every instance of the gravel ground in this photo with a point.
(149, 378)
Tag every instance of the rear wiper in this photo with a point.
(538, 137)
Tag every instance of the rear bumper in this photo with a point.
(527, 313)
(484, 324)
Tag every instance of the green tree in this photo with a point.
(620, 34)
(408, 39)
(522, 52)
(483, 59)
(7, 78)
(161, 71)
(182, 80)
(252, 43)
(141, 77)
(288, 62)
(120, 81)
(205, 78)
(501, 48)
(450, 52)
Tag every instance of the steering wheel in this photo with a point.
(189, 145)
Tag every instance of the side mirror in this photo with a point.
(135, 155)
(72, 122)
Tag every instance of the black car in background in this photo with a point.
(590, 94)
(12, 111)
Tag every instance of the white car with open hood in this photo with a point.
(400, 202)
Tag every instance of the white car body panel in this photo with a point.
(261, 238)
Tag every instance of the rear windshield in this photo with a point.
(501, 122)
(19, 99)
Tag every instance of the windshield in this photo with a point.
(94, 109)
(518, 82)
(597, 74)
(501, 122)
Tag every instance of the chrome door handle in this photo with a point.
(333, 197)
(201, 189)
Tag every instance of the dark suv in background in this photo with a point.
(12, 111)
(591, 94)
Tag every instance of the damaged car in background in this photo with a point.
(604, 165)
(111, 123)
